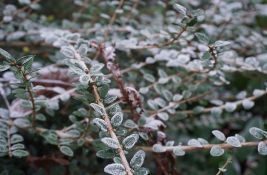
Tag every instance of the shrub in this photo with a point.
(133, 87)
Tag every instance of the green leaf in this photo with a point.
(130, 124)
(98, 108)
(115, 169)
(103, 90)
(178, 151)
(219, 135)
(138, 159)
(117, 119)
(203, 38)
(106, 154)
(110, 142)
(100, 123)
(20, 153)
(206, 55)
(130, 141)
(158, 148)
(16, 138)
(96, 67)
(233, 141)
(141, 171)
(27, 63)
(262, 148)
(4, 67)
(6, 54)
(18, 146)
(22, 123)
(181, 9)
(216, 151)
(66, 150)
(192, 22)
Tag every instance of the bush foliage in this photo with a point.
(133, 87)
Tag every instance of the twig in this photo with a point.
(238, 103)
(221, 170)
(113, 18)
(187, 148)
(112, 133)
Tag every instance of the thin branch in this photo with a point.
(228, 161)
(112, 133)
(172, 104)
(113, 18)
(187, 148)
(238, 103)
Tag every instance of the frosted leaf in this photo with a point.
(152, 104)
(144, 135)
(115, 169)
(241, 95)
(216, 102)
(68, 51)
(219, 135)
(194, 142)
(247, 104)
(240, 138)
(203, 38)
(110, 142)
(221, 43)
(84, 79)
(100, 123)
(130, 141)
(5, 54)
(258, 92)
(83, 49)
(96, 67)
(216, 111)
(22, 122)
(143, 90)
(154, 124)
(130, 124)
(109, 99)
(178, 151)
(138, 159)
(117, 119)
(257, 133)
(15, 36)
(230, 107)
(203, 141)
(222, 169)
(216, 151)
(66, 150)
(150, 60)
(98, 108)
(233, 141)
(169, 143)
(180, 9)
(158, 148)
(167, 95)
(177, 97)
(149, 78)
(262, 148)
(15, 138)
(163, 116)
(160, 102)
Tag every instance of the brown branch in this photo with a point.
(172, 104)
(187, 148)
(238, 103)
(112, 133)
(113, 18)
(130, 95)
